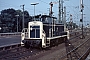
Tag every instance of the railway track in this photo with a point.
(72, 51)
(18, 53)
(79, 52)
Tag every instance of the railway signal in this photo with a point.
(81, 20)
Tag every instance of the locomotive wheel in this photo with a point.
(40, 45)
(26, 45)
(57, 42)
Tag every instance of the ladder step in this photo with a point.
(47, 46)
(47, 43)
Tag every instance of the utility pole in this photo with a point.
(51, 5)
(51, 13)
(71, 22)
(64, 19)
(62, 9)
(23, 17)
(64, 15)
(17, 22)
(59, 11)
(81, 20)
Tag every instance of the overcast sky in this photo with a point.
(72, 7)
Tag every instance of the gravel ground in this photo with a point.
(56, 52)
(51, 54)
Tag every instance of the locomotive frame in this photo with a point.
(43, 33)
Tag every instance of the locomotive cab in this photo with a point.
(34, 35)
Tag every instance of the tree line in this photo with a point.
(8, 20)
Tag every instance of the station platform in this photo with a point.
(8, 40)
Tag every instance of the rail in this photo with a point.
(81, 57)
(85, 54)
(5, 47)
